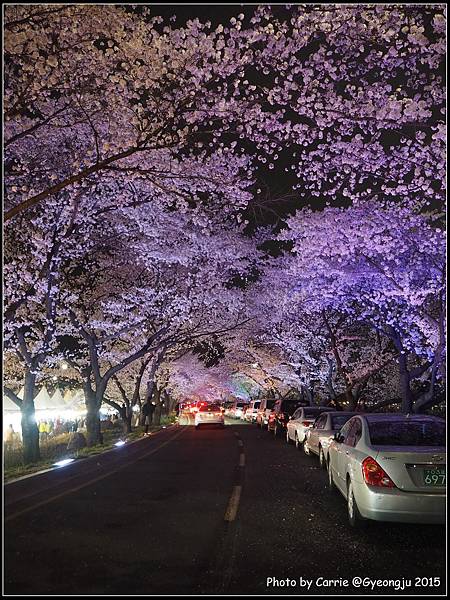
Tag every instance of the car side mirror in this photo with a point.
(338, 437)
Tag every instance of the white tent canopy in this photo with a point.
(42, 401)
(77, 400)
(58, 401)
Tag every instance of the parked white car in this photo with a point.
(251, 412)
(237, 410)
(301, 421)
(265, 408)
(321, 432)
(391, 467)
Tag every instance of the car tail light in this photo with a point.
(306, 423)
(374, 475)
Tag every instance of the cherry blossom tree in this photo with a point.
(36, 250)
(348, 98)
(383, 267)
(135, 150)
(169, 288)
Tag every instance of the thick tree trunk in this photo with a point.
(171, 403)
(158, 407)
(93, 432)
(126, 414)
(308, 394)
(329, 380)
(341, 369)
(405, 384)
(30, 431)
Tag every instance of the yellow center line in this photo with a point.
(91, 481)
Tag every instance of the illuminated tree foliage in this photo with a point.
(141, 159)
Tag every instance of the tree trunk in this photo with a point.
(30, 431)
(127, 415)
(405, 383)
(158, 407)
(308, 394)
(93, 432)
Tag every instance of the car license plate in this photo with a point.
(434, 477)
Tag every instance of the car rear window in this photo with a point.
(312, 412)
(407, 433)
(210, 408)
(338, 421)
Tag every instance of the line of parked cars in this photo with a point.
(388, 466)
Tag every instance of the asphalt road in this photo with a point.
(205, 512)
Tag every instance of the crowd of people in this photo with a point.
(57, 426)
(50, 427)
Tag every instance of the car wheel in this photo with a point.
(354, 516)
(331, 484)
(288, 439)
(321, 458)
(297, 443)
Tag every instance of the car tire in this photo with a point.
(297, 443)
(322, 462)
(354, 516)
(306, 447)
(331, 485)
(288, 439)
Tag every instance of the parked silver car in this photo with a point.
(391, 467)
(301, 421)
(320, 434)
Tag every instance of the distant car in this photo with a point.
(301, 421)
(209, 414)
(320, 434)
(391, 467)
(237, 409)
(227, 407)
(194, 406)
(264, 410)
(251, 412)
(279, 417)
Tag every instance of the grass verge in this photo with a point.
(56, 449)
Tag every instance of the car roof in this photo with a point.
(342, 412)
(398, 417)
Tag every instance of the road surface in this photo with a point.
(232, 511)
